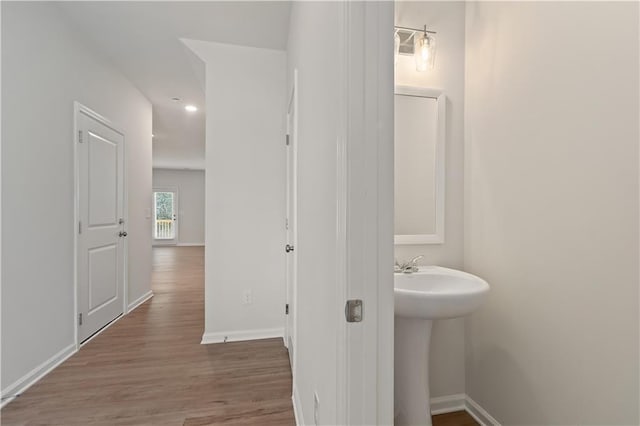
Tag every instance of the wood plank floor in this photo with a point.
(457, 418)
(149, 368)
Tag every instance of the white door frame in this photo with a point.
(176, 213)
(78, 109)
(292, 150)
(365, 214)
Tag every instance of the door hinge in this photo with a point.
(80, 318)
(80, 136)
(286, 223)
(287, 140)
(79, 227)
(353, 310)
(286, 309)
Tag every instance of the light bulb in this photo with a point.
(424, 51)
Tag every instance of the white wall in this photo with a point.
(448, 20)
(46, 67)
(245, 189)
(552, 210)
(190, 186)
(313, 49)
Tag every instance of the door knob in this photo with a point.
(122, 234)
(288, 248)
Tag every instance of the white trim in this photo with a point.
(29, 379)
(178, 245)
(297, 408)
(479, 414)
(181, 169)
(448, 404)
(79, 108)
(239, 336)
(139, 301)
(366, 104)
(441, 141)
(291, 231)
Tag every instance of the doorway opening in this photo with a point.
(100, 237)
(165, 208)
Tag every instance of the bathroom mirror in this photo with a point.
(419, 146)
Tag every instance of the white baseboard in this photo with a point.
(26, 381)
(239, 336)
(448, 404)
(139, 301)
(478, 413)
(297, 408)
(462, 402)
(190, 244)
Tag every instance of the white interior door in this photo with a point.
(290, 224)
(101, 232)
(165, 216)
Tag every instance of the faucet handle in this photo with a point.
(397, 267)
(415, 260)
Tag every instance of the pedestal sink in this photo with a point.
(431, 293)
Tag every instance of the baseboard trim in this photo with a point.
(297, 408)
(448, 404)
(33, 376)
(239, 336)
(478, 413)
(139, 301)
(178, 244)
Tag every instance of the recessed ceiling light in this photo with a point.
(191, 108)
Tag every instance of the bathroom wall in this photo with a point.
(448, 20)
(46, 66)
(245, 191)
(551, 214)
(190, 186)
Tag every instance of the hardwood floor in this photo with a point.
(149, 368)
(457, 418)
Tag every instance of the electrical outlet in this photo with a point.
(247, 297)
(316, 409)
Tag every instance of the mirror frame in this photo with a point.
(441, 138)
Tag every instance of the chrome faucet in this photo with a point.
(408, 267)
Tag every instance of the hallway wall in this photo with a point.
(191, 193)
(45, 68)
(245, 191)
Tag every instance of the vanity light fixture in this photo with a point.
(419, 43)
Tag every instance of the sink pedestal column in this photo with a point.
(412, 404)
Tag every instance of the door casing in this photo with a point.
(364, 393)
(292, 222)
(78, 109)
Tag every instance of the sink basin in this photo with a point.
(432, 293)
(435, 292)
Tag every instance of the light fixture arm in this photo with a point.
(415, 29)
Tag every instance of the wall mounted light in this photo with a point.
(191, 108)
(419, 43)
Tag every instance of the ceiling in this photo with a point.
(142, 39)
